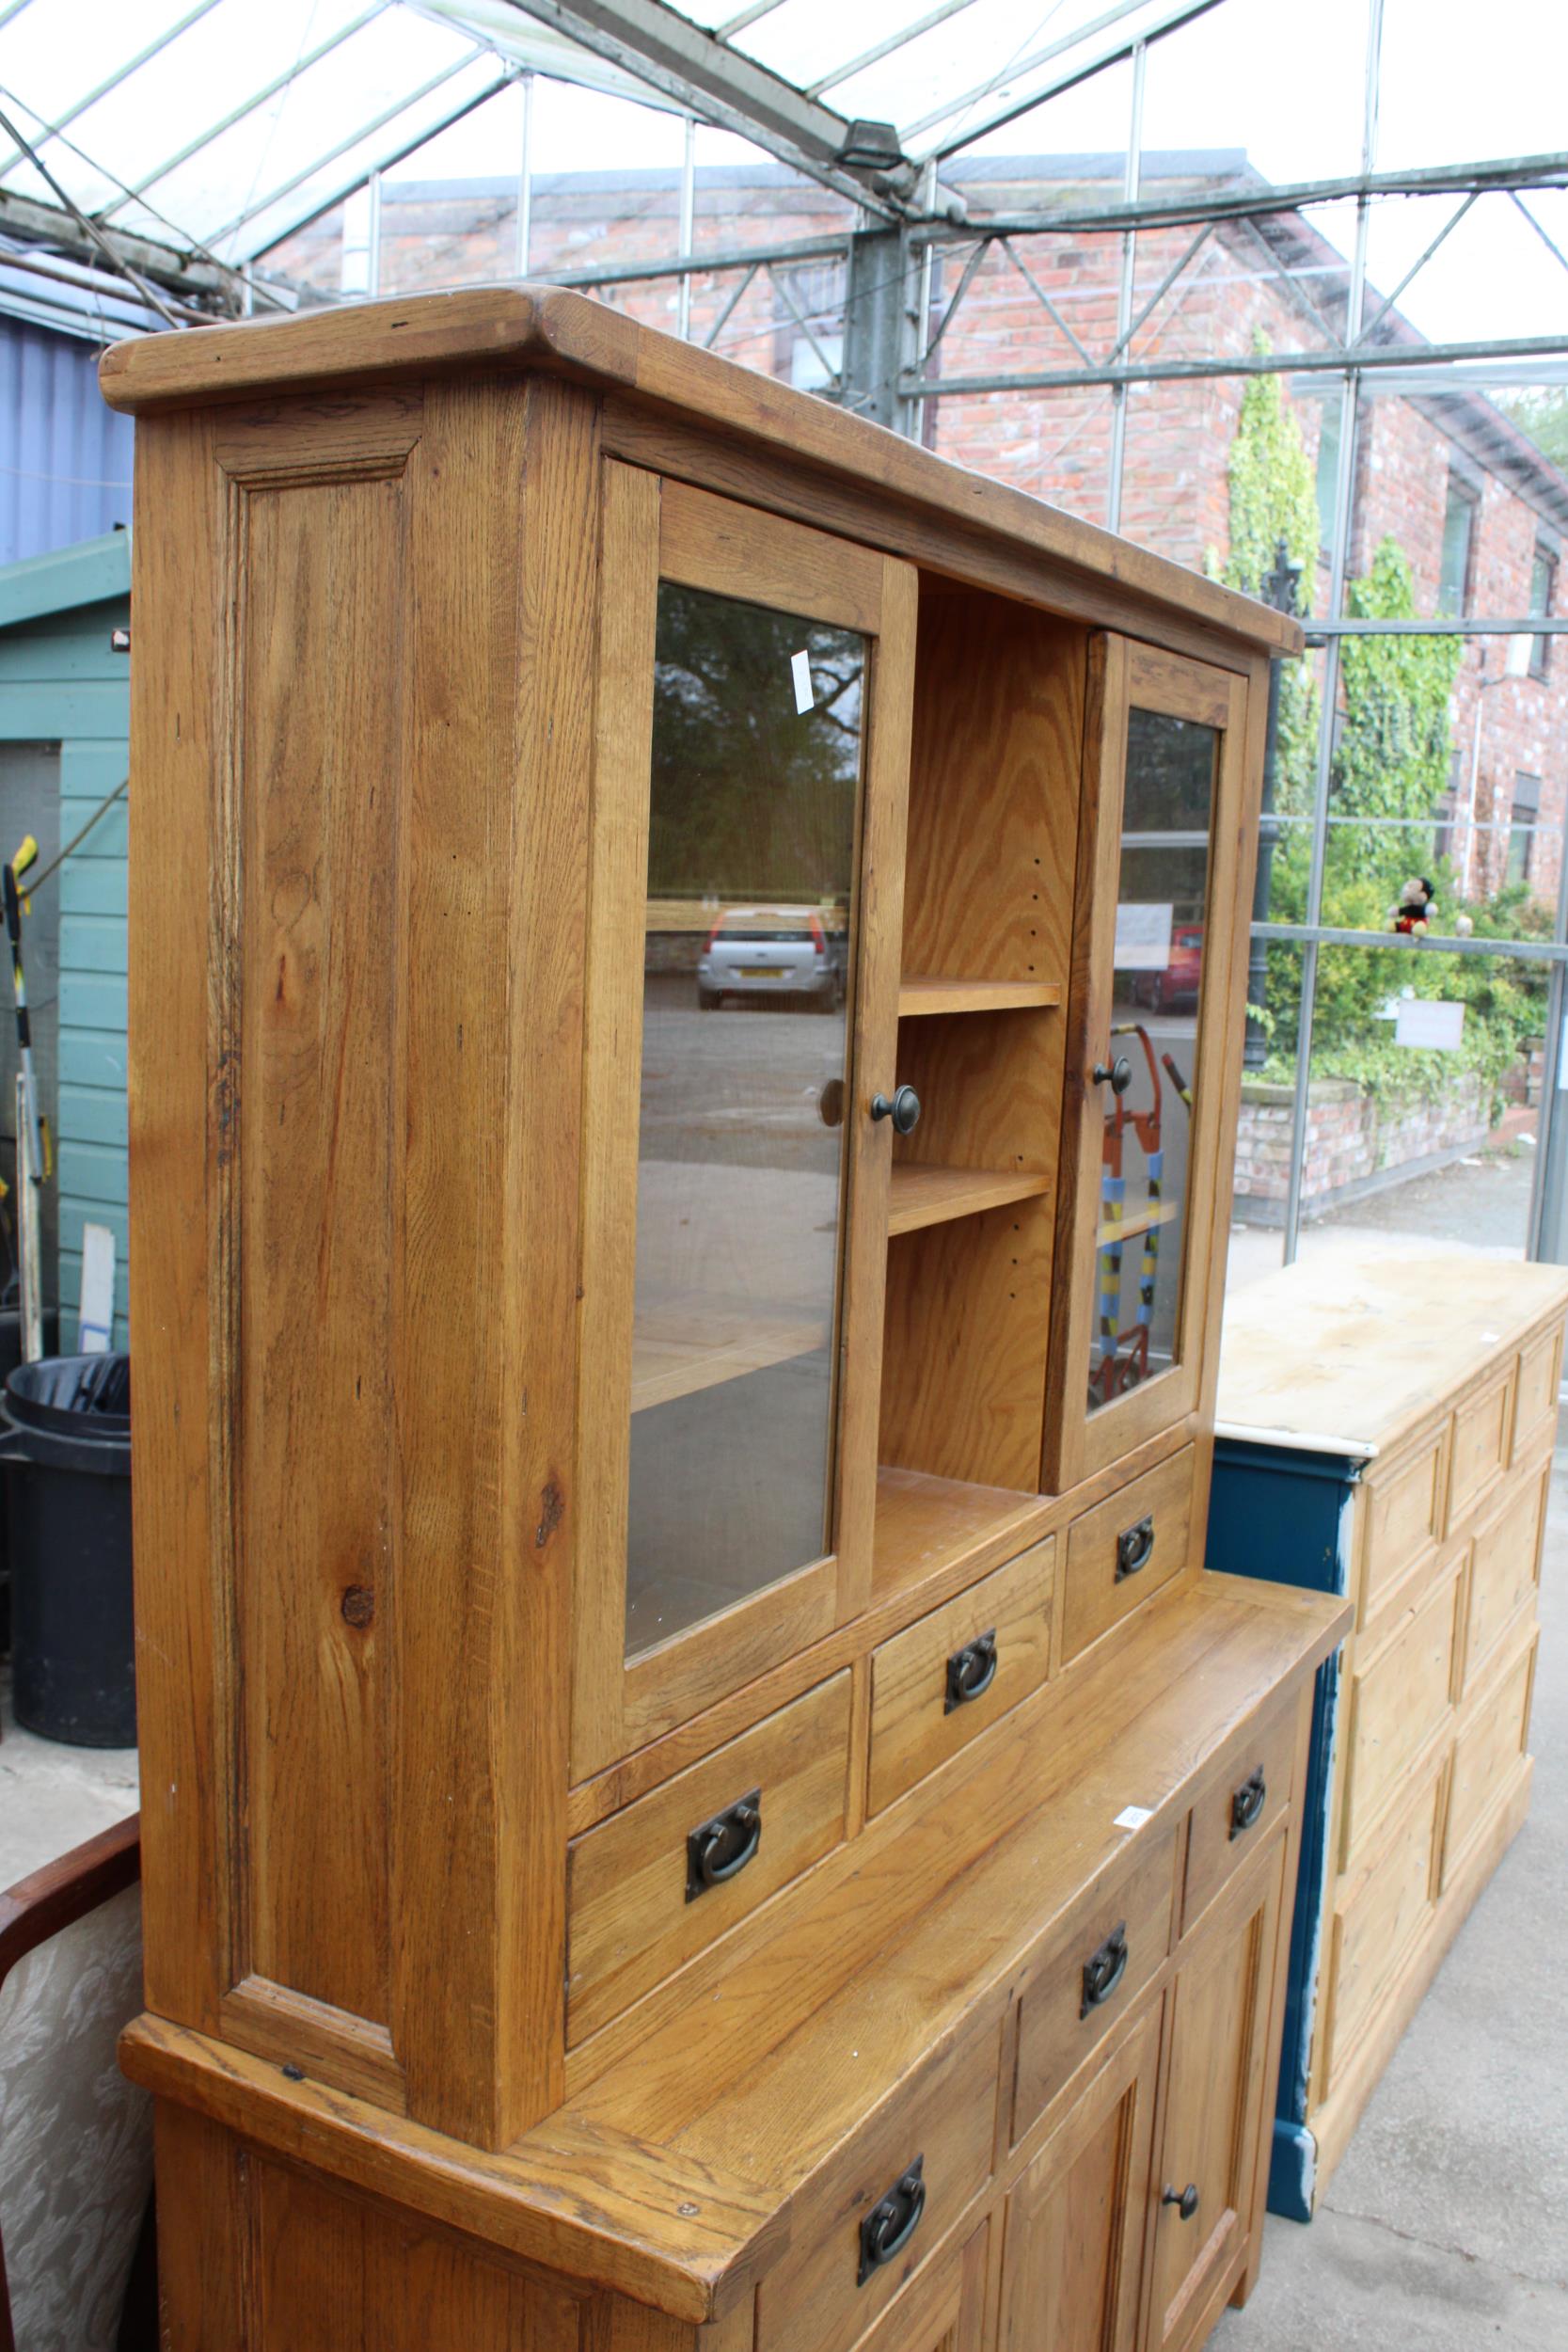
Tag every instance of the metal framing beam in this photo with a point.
(705, 76)
(698, 262)
(1259, 198)
(32, 222)
(1333, 361)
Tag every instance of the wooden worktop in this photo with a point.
(671, 2175)
(1344, 1353)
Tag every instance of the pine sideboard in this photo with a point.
(687, 985)
(1402, 1459)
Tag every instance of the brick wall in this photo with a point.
(1057, 443)
(1356, 1144)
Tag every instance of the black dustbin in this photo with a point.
(65, 1436)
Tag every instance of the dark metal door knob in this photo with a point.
(904, 1108)
(1118, 1075)
(1184, 2200)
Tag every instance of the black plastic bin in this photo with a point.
(65, 1436)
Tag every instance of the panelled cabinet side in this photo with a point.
(361, 749)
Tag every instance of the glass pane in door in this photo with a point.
(752, 817)
(1156, 995)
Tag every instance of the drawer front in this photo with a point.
(1377, 1917)
(1535, 1407)
(1482, 1428)
(1491, 1746)
(639, 1901)
(1082, 1987)
(937, 1684)
(1126, 1548)
(1400, 1694)
(1505, 1563)
(828, 2291)
(1404, 1509)
(1232, 1818)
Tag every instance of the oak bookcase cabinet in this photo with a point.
(688, 978)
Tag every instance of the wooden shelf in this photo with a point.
(674, 1353)
(926, 995)
(944, 1528)
(929, 1196)
(1141, 1221)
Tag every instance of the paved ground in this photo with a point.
(52, 1797)
(1446, 2227)
(1481, 1202)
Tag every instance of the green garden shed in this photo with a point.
(65, 709)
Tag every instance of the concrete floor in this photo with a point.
(53, 1797)
(1446, 2227)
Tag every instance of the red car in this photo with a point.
(1176, 988)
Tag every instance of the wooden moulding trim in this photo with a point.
(512, 326)
(273, 2021)
(585, 2200)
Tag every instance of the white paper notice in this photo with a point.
(1143, 938)
(800, 670)
(1132, 1817)
(1429, 1022)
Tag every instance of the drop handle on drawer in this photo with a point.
(971, 1671)
(1248, 1803)
(1184, 2200)
(719, 1849)
(892, 2221)
(1134, 1548)
(1105, 1970)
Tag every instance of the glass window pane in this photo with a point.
(1424, 1102)
(745, 1043)
(1157, 985)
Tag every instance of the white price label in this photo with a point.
(800, 670)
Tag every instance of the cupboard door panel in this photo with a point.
(1151, 1002)
(742, 996)
(1072, 2253)
(1214, 2106)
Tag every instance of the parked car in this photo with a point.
(759, 952)
(1176, 988)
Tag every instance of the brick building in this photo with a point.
(1479, 512)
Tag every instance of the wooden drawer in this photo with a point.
(1230, 1822)
(1482, 1430)
(1403, 1519)
(1147, 1524)
(1059, 2025)
(918, 1716)
(1401, 1692)
(1379, 1915)
(1505, 1563)
(1490, 1745)
(630, 1920)
(1535, 1405)
(816, 2298)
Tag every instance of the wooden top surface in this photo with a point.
(1344, 1353)
(673, 2176)
(542, 326)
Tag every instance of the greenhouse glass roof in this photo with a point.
(219, 126)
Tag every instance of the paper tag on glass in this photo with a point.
(1132, 1817)
(800, 670)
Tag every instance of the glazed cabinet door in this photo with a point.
(1072, 2260)
(1207, 2183)
(1164, 801)
(750, 778)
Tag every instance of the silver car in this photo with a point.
(771, 951)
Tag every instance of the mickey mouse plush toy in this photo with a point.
(1416, 909)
